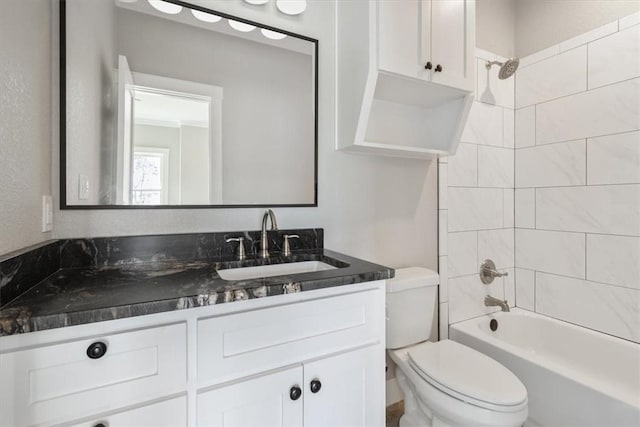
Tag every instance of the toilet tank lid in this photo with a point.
(412, 277)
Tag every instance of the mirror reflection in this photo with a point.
(170, 106)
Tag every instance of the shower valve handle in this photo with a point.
(488, 272)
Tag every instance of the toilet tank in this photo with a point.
(412, 297)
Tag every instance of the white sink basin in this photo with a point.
(245, 273)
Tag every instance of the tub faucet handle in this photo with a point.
(488, 272)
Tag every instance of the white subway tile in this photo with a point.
(443, 273)
(552, 165)
(607, 209)
(442, 232)
(539, 56)
(614, 260)
(508, 120)
(629, 21)
(442, 185)
(444, 321)
(589, 36)
(525, 207)
(485, 55)
(509, 208)
(551, 252)
(475, 208)
(484, 125)
(509, 283)
(463, 253)
(463, 167)
(610, 309)
(491, 89)
(525, 127)
(552, 78)
(614, 159)
(525, 289)
(466, 297)
(495, 167)
(603, 111)
(497, 245)
(615, 58)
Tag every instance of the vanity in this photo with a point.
(144, 330)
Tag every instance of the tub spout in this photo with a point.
(490, 301)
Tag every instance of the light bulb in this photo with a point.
(163, 6)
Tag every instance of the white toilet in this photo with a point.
(444, 383)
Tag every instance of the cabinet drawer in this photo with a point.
(60, 382)
(243, 344)
(169, 413)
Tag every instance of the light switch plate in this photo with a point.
(47, 213)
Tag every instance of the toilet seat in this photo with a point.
(468, 375)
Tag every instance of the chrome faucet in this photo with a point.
(264, 241)
(490, 301)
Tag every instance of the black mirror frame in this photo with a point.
(63, 121)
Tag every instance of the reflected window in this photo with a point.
(150, 177)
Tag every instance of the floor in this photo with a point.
(394, 412)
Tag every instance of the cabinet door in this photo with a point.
(453, 42)
(403, 37)
(261, 401)
(351, 389)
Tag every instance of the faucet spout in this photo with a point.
(490, 301)
(264, 241)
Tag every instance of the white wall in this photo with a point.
(25, 121)
(378, 208)
(90, 98)
(495, 26)
(544, 23)
(476, 202)
(577, 196)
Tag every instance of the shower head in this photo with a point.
(507, 68)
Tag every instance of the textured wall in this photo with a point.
(25, 121)
(577, 164)
(495, 26)
(543, 23)
(379, 208)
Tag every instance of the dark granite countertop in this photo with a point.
(79, 295)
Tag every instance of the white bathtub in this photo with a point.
(574, 376)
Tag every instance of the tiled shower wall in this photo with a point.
(577, 180)
(476, 189)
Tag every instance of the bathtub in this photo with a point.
(574, 376)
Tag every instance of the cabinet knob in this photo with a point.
(96, 350)
(428, 66)
(100, 425)
(316, 385)
(438, 68)
(295, 392)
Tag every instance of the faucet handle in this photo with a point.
(241, 252)
(488, 272)
(286, 251)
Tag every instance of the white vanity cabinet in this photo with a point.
(406, 75)
(228, 364)
(430, 40)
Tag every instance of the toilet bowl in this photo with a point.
(444, 383)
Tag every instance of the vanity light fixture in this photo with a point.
(163, 6)
(291, 7)
(204, 16)
(241, 26)
(273, 35)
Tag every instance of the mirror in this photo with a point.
(165, 104)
